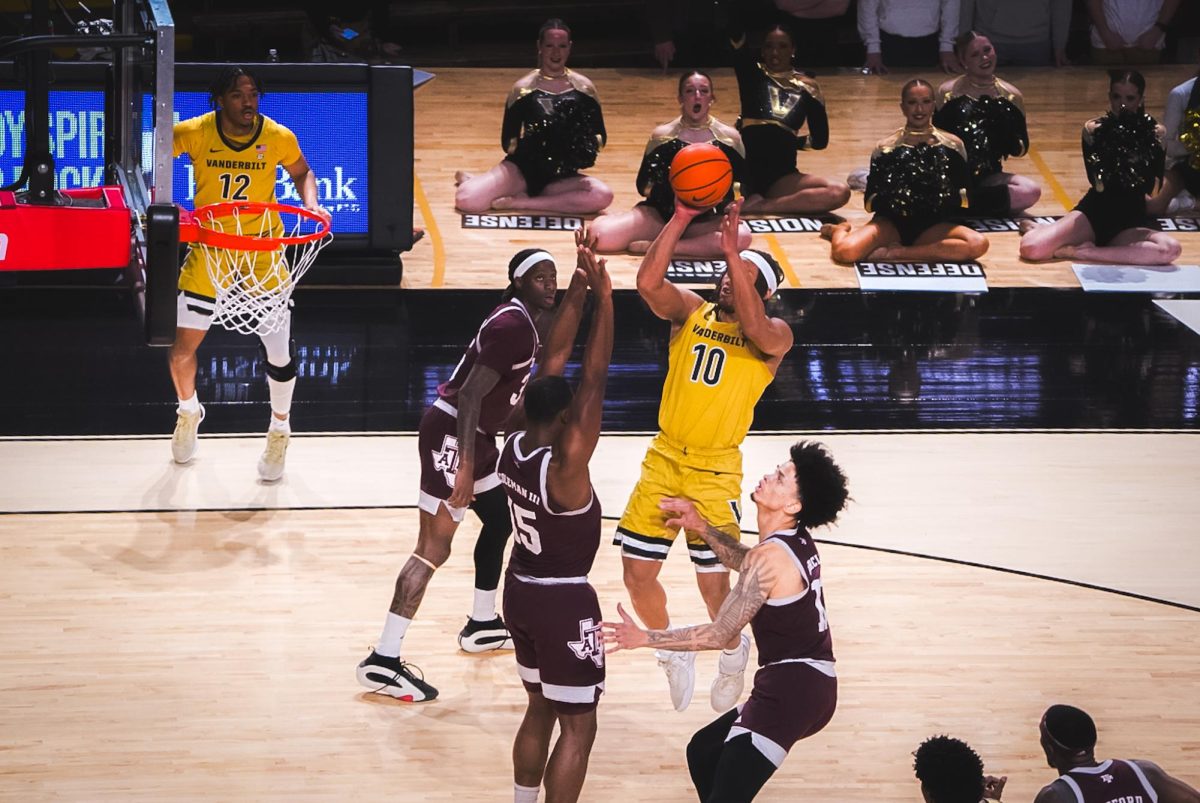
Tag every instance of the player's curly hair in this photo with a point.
(820, 482)
(227, 79)
(949, 770)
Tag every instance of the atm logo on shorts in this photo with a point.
(589, 644)
(446, 460)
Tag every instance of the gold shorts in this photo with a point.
(712, 479)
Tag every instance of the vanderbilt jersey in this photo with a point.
(714, 379)
(228, 168)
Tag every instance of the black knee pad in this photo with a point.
(283, 373)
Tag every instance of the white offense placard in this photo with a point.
(924, 277)
(1141, 279)
(522, 222)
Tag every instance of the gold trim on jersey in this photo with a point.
(529, 83)
(725, 134)
(961, 86)
(935, 136)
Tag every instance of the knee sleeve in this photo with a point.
(492, 509)
(704, 752)
(280, 367)
(741, 772)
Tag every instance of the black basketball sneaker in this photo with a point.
(393, 677)
(484, 636)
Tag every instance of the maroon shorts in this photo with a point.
(555, 629)
(437, 442)
(789, 702)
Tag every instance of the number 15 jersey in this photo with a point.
(715, 376)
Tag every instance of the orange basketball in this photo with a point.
(701, 175)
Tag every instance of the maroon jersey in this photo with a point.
(546, 543)
(507, 342)
(795, 628)
(1112, 781)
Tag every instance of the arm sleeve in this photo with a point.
(510, 129)
(505, 342)
(868, 24)
(948, 25)
(598, 124)
(648, 172)
(1173, 121)
(818, 124)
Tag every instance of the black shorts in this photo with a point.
(1110, 213)
(1191, 178)
(538, 171)
(770, 155)
(910, 228)
(989, 201)
(555, 627)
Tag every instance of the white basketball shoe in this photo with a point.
(731, 677)
(270, 465)
(681, 675)
(183, 441)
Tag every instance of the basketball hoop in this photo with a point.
(255, 253)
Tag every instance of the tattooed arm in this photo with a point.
(761, 570)
(683, 513)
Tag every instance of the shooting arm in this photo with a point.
(665, 299)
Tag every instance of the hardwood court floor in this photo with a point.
(210, 656)
(458, 123)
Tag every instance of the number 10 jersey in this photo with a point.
(714, 379)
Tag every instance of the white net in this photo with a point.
(254, 288)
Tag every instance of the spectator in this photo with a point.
(1068, 738)
(687, 33)
(951, 772)
(814, 27)
(1130, 31)
(1026, 33)
(909, 33)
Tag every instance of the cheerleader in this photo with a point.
(988, 115)
(776, 103)
(552, 129)
(915, 187)
(1124, 157)
(1181, 184)
(636, 229)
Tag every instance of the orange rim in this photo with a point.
(191, 230)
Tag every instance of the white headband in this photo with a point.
(764, 268)
(531, 260)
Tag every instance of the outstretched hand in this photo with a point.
(596, 269)
(682, 513)
(729, 228)
(622, 635)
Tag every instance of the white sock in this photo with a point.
(281, 424)
(394, 628)
(525, 794)
(733, 661)
(484, 609)
(281, 395)
(191, 405)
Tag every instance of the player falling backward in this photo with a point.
(234, 152)
(723, 354)
(551, 609)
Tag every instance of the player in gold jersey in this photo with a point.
(234, 152)
(723, 354)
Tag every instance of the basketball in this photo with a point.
(701, 175)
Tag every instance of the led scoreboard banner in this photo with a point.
(353, 122)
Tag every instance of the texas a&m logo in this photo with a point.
(589, 644)
(446, 460)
